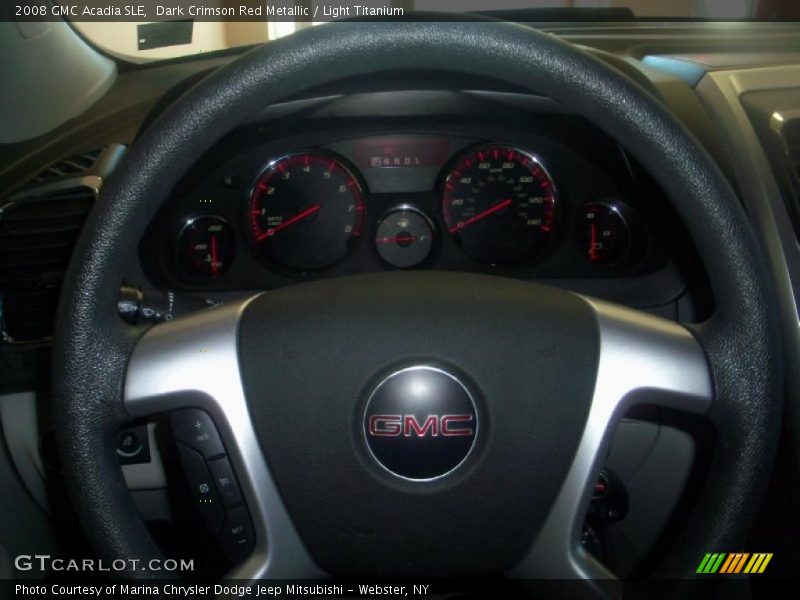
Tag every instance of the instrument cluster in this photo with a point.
(529, 207)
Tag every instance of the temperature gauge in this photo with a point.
(206, 246)
(404, 237)
(604, 236)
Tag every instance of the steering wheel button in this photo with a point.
(201, 485)
(236, 538)
(196, 429)
(225, 481)
(133, 446)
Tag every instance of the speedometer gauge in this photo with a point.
(306, 211)
(500, 204)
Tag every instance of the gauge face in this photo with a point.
(500, 204)
(306, 211)
(404, 237)
(604, 235)
(206, 246)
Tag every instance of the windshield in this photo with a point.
(188, 27)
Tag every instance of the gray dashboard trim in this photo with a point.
(721, 92)
(20, 426)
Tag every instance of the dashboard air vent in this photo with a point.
(38, 230)
(36, 240)
(74, 165)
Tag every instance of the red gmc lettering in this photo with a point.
(449, 420)
(408, 425)
(384, 425)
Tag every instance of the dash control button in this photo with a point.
(195, 428)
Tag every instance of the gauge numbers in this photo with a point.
(500, 204)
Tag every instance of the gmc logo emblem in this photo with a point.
(408, 426)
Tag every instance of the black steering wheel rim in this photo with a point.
(92, 345)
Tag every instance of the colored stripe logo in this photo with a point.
(734, 562)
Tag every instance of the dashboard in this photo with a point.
(557, 200)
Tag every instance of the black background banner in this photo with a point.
(491, 588)
(203, 10)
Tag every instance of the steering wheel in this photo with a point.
(313, 387)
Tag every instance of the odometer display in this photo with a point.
(306, 211)
(500, 204)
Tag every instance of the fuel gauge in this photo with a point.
(604, 234)
(205, 247)
(404, 237)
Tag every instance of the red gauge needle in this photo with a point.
(398, 239)
(214, 257)
(593, 243)
(298, 217)
(482, 215)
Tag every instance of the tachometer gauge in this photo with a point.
(404, 237)
(206, 246)
(306, 211)
(604, 234)
(500, 204)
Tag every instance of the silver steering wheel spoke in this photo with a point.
(642, 360)
(193, 362)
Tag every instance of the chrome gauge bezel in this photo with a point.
(619, 208)
(342, 163)
(418, 211)
(544, 250)
(186, 222)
